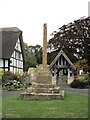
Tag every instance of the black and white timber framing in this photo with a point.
(13, 53)
(62, 66)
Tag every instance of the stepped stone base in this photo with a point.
(42, 91)
(42, 87)
(41, 96)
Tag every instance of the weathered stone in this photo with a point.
(45, 47)
(32, 74)
(54, 80)
(43, 85)
(43, 76)
(41, 96)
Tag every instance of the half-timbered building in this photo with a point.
(62, 68)
(12, 48)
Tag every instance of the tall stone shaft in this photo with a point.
(45, 46)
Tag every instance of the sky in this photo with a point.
(30, 15)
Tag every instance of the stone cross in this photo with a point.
(45, 46)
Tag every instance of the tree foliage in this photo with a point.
(33, 56)
(31, 61)
(38, 52)
(82, 64)
(73, 38)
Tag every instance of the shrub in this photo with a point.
(8, 75)
(78, 84)
(83, 77)
(13, 85)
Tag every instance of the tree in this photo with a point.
(74, 39)
(31, 61)
(38, 52)
(30, 58)
(26, 46)
(82, 64)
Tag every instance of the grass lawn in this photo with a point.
(73, 106)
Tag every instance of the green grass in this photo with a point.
(73, 106)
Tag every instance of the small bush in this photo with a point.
(78, 84)
(83, 77)
(8, 75)
(14, 85)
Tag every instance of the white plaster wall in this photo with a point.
(21, 64)
(14, 54)
(1, 63)
(18, 40)
(17, 63)
(14, 70)
(14, 62)
(17, 46)
(11, 69)
(6, 63)
(6, 69)
(21, 57)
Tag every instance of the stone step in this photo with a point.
(42, 96)
(46, 90)
(43, 86)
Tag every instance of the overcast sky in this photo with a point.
(30, 15)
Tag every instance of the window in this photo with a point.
(1, 63)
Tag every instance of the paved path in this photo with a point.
(75, 91)
(66, 88)
(7, 93)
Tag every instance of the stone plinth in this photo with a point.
(41, 96)
(43, 77)
(42, 87)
